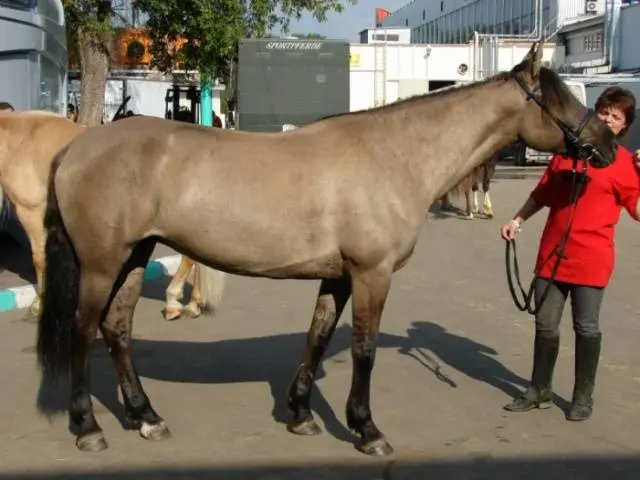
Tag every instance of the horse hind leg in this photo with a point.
(469, 207)
(332, 298)
(173, 293)
(208, 285)
(370, 291)
(487, 208)
(489, 171)
(196, 305)
(94, 293)
(32, 223)
(116, 331)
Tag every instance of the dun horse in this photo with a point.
(28, 142)
(350, 215)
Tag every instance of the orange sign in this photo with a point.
(133, 48)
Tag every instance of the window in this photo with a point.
(392, 37)
(50, 9)
(20, 4)
(51, 81)
(593, 42)
(442, 6)
(424, 14)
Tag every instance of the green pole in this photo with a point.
(206, 103)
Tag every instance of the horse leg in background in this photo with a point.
(196, 305)
(208, 285)
(471, 207)
(487, 174)
(370, 289)
(474, 188)
(445, 203)
(116, 331)
(332, 298)
(173, 308)
(31, 220)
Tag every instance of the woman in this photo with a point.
(587, 262)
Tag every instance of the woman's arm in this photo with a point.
(527, 210)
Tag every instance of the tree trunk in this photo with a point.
(94, 67)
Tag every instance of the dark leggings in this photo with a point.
(585, 308)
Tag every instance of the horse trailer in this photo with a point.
(290, 81)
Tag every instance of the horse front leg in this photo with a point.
(173, 307)
(370, 291)
(332, 298)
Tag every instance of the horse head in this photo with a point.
(554, 119)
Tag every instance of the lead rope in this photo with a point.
(526, 304)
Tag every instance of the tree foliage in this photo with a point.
(308, 36)
(210, 29)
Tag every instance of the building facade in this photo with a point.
(33, 55)
(454, 21)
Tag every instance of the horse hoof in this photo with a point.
(306, 427)
(192, 312)
(469, 216)
(170, 315)
(489, 214)
(91, 442)
(156, 431)
(376, 448)
(34, 311)
(30, 317)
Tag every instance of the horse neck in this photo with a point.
(443, 137)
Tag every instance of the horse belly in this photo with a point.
(268, 253)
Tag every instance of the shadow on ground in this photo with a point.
(274, 359)
(16, 259)
(623, 468)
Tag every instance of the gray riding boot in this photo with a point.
(540, 393)
(586, 366)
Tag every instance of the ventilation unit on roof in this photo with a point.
(591, 7)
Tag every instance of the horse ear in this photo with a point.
(531, 54)
(533, 60)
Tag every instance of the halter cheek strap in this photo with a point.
(584, 151)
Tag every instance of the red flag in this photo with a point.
(381, 14)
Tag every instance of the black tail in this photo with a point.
(56, 324)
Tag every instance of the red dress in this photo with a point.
(589, 254)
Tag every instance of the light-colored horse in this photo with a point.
(28, 142)
(206, 295)
(327, 201)
(470, 186)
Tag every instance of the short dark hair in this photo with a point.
(618, 97)
(6, 106)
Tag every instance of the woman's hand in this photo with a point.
(510, 229)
